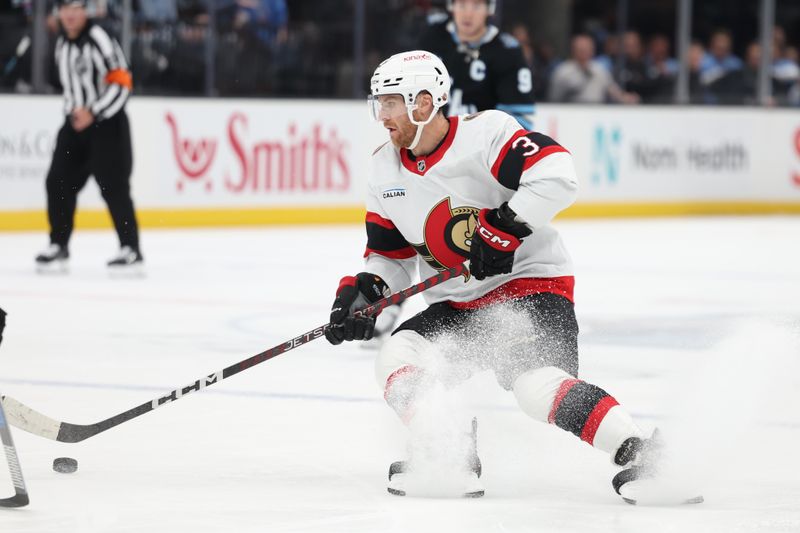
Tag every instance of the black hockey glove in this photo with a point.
(497, 235)
(355, 292)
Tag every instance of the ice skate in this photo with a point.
(55, 259)
(424, 476)
(127, 263)
(645, 480)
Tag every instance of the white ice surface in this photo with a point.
(691, 324)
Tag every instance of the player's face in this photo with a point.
(470, 18)
(392, 112)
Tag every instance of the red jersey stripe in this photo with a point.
(402, 253)
(408, 369)
(518, 288)
(375, 218)
(504, 151)
(412, 165)
(595, 417)
(541, 154)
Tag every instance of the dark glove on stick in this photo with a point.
(2, 324)
(355, 292)
(497, 235)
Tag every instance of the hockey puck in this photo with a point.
(65, 465)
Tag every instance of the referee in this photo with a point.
(95, 139)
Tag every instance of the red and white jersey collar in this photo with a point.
(421, 164)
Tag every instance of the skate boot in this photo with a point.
(128, 262)
(404, 479)
(55, 259)
(645, 480)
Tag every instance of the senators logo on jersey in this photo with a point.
(448, 235)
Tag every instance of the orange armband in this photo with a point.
(121, 77)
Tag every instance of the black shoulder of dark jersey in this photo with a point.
(502, 56)
(436, 37)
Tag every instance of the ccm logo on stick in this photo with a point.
(177, 394)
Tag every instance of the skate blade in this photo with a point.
(688, 501)
(425, 487)
(474, 494)
(657, 493)
(54, 268)
(135, 271)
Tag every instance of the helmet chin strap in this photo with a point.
(420, 126)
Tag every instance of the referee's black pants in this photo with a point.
(102, 150)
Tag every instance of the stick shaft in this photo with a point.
(34, 422)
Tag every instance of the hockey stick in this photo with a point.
(34, 422)
(20, 498)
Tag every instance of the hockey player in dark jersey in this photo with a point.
(487, 67)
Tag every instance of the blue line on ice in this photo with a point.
(293, 396)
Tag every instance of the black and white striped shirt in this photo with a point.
(93, 72)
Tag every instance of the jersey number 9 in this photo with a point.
(524, 80)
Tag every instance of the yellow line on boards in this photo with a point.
(654, 209)
(186, 218)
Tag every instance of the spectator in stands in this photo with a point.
(785, 69)
(721, 71)
(750, 73)
(631, 72)
(262, 20)
(154, 40)
(582, 80)
(544, 64)
(698, 93)
(520, 32)
(157, 12)
(259, 27)
(14, 44)
(610, 51)
(720, 58)
(784, 75)
(662, 70)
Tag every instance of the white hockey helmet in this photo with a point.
(407, 74)
(492, 4)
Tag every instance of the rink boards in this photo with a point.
(204, 162)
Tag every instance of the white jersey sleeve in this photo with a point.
(388, 254)
(535, 166)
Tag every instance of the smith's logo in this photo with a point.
(194, 156)
(394, 193)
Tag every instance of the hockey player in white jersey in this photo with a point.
(476, 188)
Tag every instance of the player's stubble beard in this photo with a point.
(404, 132)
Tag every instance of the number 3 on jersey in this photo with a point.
(529, 146)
